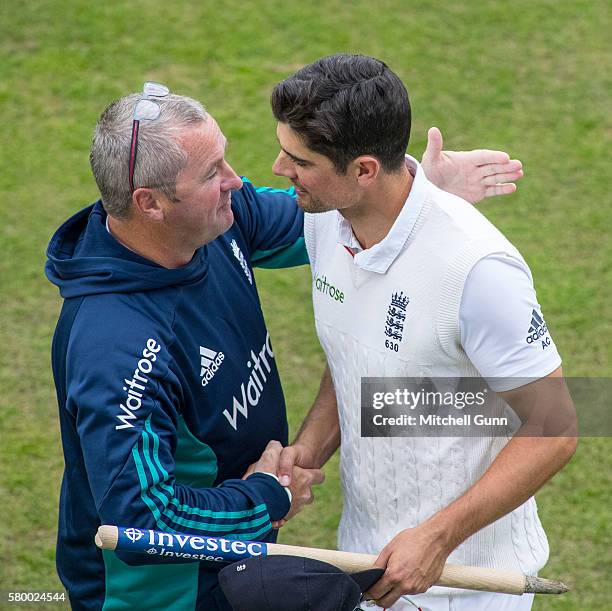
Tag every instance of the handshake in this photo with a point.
(294, 469)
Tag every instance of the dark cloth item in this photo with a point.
(293, 583)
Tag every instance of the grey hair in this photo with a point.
(160, 156)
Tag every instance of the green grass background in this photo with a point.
(529, 77)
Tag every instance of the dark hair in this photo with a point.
(344, 106)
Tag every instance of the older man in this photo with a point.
(165, 372)
(429, 288)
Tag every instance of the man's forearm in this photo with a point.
(541, 447)
(320, 431)
(520, 469)
(415, 557)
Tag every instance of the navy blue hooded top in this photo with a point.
(168, 390)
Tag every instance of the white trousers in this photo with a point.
(477, 601)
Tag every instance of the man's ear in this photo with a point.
(148, 204)
(366, 169)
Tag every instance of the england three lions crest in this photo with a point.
(395, 319)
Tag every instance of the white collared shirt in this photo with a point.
(421, 303)
(498, 302)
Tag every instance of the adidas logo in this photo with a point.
(210, 361)
(538, 328)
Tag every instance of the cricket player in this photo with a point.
(409, 280)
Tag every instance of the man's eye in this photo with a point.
(211, 176)
(300, 163)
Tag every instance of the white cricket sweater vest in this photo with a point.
(394, 483)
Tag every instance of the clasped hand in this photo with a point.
(300, 483)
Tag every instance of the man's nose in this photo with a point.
(281, 167)
(232, 180)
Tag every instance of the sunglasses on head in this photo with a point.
(146, 109)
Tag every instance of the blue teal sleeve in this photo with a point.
(273, 225)
(129, 445)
